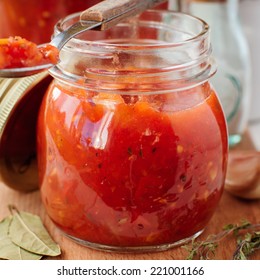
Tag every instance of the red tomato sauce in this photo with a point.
(131, 170)
(19, 52)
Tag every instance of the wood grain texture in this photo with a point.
(108, 9)
(230, 210)
(116, 11)
(111, 8)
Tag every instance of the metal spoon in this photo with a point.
(99, 17)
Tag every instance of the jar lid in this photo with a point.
(20, 100)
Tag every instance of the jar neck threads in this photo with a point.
(172, 47)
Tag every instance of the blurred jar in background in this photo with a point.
(233, 78)
(250, 19)
(35, 19)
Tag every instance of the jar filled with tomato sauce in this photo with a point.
(35, 19)
(132, 140)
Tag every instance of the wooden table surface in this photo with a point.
(230, 210)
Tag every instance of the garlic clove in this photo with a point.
(242, 178)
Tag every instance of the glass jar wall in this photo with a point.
(233, 78)
(127, 161)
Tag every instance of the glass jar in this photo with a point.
(127, 157)
(35, 19)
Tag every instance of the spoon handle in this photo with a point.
(110, 12)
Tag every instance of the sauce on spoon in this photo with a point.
(18, 52)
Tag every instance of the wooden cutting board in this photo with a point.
(230, 210)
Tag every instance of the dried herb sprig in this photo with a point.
(247, 242)
(247, 246)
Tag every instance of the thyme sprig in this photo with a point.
(246, 234)
(247, 246)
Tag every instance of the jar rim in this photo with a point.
(59, 27)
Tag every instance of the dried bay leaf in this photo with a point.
(27, 231)
(9, 250)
